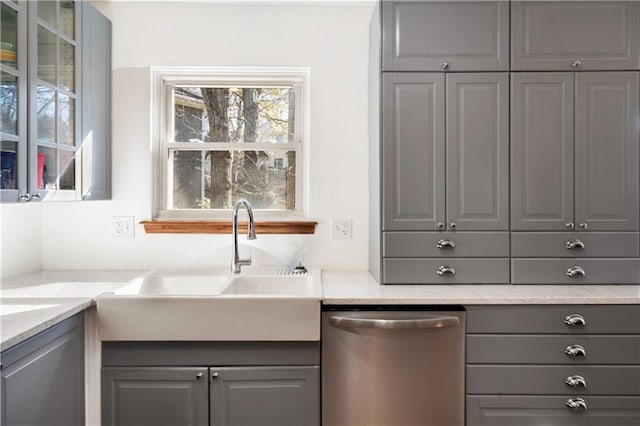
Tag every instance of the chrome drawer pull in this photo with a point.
(446, 270)
(576, 271)
(575, 351)
(575, 381)
(577, 404)
(574, 245)
(575, 320)
(445, 244)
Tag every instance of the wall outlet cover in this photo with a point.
(340, 228)
(123, 227)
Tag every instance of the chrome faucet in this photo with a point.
(237, 263)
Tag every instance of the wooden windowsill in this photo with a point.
(224, 227)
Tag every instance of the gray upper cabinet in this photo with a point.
(541, 151)
(413, 143)
(43, 378)
(445, 35)
(587, 180)
(606, 145)
(585, 35)
(477, 157)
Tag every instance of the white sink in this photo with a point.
(260, 304)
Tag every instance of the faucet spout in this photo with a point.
(237, 262)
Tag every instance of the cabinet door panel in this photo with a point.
(43, 378)
(265, 396)
(478, 151)
(541, 151)
(154, 396)
(421, 36)
(510, 410)
(550, 35)
(607, 175)
(413, 167)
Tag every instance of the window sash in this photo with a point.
(166, 78)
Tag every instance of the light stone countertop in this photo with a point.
(360, 288)
(30, 303)
(33, 302)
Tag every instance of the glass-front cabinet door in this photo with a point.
(54, 86)
(13, 99)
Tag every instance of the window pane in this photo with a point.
(47, 170)
(47, 11)
(8, 103)
(222, 114)
(66, 121)
(46, 55)
(216, 179)
(46, 103)
(67, 169)
(8, 35)
(8, 165)
(67, 18)
(67, 66)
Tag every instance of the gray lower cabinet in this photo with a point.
(43, 378)
(444, 35)
(570, 365)
(210, 383)
(574, 35)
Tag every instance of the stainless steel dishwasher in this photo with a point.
(392, 367)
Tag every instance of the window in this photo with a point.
(225, 134)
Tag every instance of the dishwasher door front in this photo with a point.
(393, 368)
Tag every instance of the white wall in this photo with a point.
(20, 243)
(330, 38)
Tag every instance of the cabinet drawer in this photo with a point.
(454, 271)
(445, 244)
(599, 319)
(551, 379)
(550, 35)
(586, 271)
(546, 349)
(423, 36)
(511, 410)
(575, 244)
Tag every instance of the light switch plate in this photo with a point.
(123, 227)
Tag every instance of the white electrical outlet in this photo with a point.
(340, 228)
(123, 227)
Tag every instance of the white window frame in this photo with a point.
(164, 79)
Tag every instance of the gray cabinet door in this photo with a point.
(424, 35)
(96, 105)
(413, 168)
(43, 378)
(541, 151)
(606, 146)
(154, 396)
(478, 151)
(277, 396)
(589, 35)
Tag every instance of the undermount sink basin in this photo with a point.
(259, 304)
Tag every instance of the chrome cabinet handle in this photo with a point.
(215, 375)
(576, 64)
(575, 351)
(389, 324)
(199, 376)
(453, 225)
(575, 320)
(569, 225)
(574, 245)
(446, 244)
(440, 225)
(575, 381)
(446, 270)
(24, 198)
(35, 197)
(576, 271)
(583, 226)
(577, 404)
(445, 65)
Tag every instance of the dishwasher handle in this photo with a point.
(394, 324)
